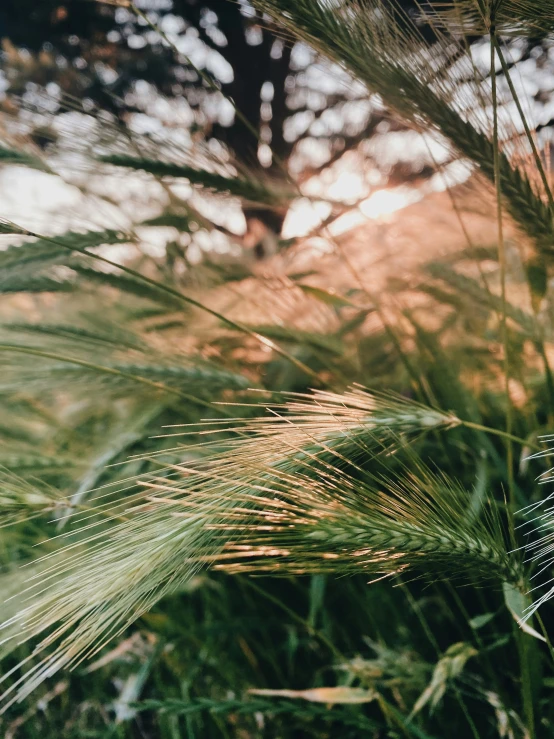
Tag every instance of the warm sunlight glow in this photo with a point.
(383, 202)
(305, 216)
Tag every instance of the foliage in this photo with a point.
(172, 426)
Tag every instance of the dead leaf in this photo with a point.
(341, 694)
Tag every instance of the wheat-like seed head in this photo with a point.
(509, 17)
(540, 549)
(291, 495)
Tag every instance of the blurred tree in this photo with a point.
(100, 49)
(295, 115)
(106, 55)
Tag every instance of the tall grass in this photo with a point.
(164, 429)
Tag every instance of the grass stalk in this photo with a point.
(502, 434)
(515, 97)
(502, 261)
(521, 638)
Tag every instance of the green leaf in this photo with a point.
(517, 603)
(175, 220)
(354, 323)
(16, 156)
(537, 277)
(326, 296)
(477, 622)
(293, 709)
(310, 338)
